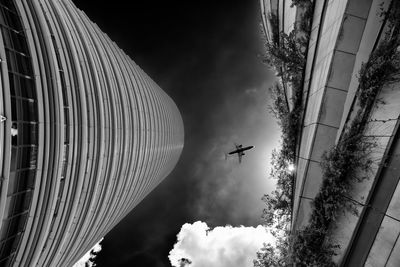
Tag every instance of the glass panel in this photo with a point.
(24, 180)
(20, 224)
(27, 157)
(66, 116)
(4, 227)
(12, 19)
(18, 63)
(13, 109)
(21, 181)
(64, 88)
(66, 133)
(7, 37)
(28, 178)
(27, 110)
(14, 86)
(6, 249)
(2, 18)
(27, 201)
(29, 134)
(18, 41)
(21, 86)
(14, 41)
(15, 244)
(8, 3)
(27, 88)
(12, 183)
(11, 61)
(14, 157)
(23, 64)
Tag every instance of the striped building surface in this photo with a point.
(344, 35)
(85, 136)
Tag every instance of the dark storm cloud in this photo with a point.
(204, 54)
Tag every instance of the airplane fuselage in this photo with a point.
(240, 150)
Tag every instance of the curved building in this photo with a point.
(85, 133)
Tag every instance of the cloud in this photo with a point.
(251, 91)
(222, 246)
(85, 258)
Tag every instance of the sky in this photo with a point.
(206, 56)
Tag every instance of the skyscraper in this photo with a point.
(350, 81)
(85, 133)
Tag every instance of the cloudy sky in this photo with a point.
(228, 246)
(206, 56)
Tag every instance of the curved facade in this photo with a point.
(87, 133)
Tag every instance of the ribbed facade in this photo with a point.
(87, 136)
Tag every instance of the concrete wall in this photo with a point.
(344, 32)
(343, 36)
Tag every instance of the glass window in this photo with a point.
(11, 61)
(14, 157)
(19, 42)
(66, 116)
(27, 110)
(11, 226)
(16, 203)
(29, 134)
(21, 181)
(14, 116)
(14, 86)
(12, 19)
(27, 88)
(6, 249)
(23, 64)
(66, 133)
(27, 179)
(12, 182)
(21, 86)
(64, 88)
(18, 63)
(27, 157)
(14, 40)
(8, 3)
(7, 37)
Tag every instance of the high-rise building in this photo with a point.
(344, 36)
(85, 134)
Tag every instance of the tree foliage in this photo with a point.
(383, 65)
(278, 205)
(286, 54)
(312, 245)
(287, 57)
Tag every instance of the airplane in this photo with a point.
(239, 151)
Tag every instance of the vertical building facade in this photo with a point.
(344, 35)
(85, 133)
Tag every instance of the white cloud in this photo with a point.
(219, 247)
(85, 258)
